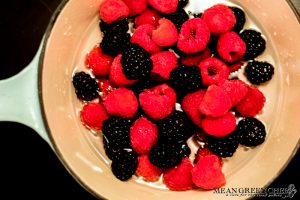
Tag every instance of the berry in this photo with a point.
(213, 71)
(113, 10)
(147, 170)
(223, 146)
(118, 26)
(251, 131)
(219, 126)
(86, 88)
(233, 67)
(121, 103)
(158, 102)
(143, 135)
(216, 102)
(194, 59)
(165, 33)
(148, 16)
(255, 43)
(252, 103)
(105, 88)
(182, 3)
(259, 72)
(163, 63)
(136, 6)
(231, 47)
(178, 18)
(240, 19)
(92, 115)
(142, 85)
(114, 43)
(136, 63)
(203, 152)
(175, 128)
(219, 18)
(207, 173)
(194, 36)
(165, 7)
(179, 178)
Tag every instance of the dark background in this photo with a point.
(29, 168)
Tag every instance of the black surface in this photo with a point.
(29, 168)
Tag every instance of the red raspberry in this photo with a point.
(121, 103)
(148, 16)
(252, 103)
(236, 89)
(219, 18)
(136, 6)
(213, 71)
(105, 88)
(158, 102)
(196, 58)
(163, 6)
(207, 173)
(165, 33)
(143, 135)
(190, 104)
(99, 63)
(113, 10)
(231, 47)
(219, 126)
(92, 115)
(116, 75)
(203, 152)
(216, 102)
(235, 66)
(179, 178)
(147, 170)
(163, 63)
(143, 37)
(194, 36)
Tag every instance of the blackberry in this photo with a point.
(240, 19)
(178, 18)
(125, 166)
(175, 128)
(143, 84)
(119, 26)
(259, 72)
(223, 146)
(113, 151)
(255, 44)
(114, 43)
(251, 131)
(86, 88)
(185, 150)
(182, 3)
(212, 44)
(136, 62)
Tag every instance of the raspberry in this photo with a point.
(105, 88)
(182, 3)
(165, 33)
(203, 152)
(252, 103)
(113, 10)
(121, 103)
(259, 72)
(216, 102)
(194, 59)
(219, 18)
(231, 47)
(143, 135)
(255, 43)
(213, 71)
(235, 66)
(136, 6)
(148, 16)
(252, 132)
(179, 178)
(118, 26)
(86, 88)
(147, 170)
(143, 37)
(219, 126)
(116, 75)
(158, 102)
(194, 36)
(136, 63)
(207, 173)
(163, 63)
(240, 19)
(178, 18)
(190, 105)
(114, 43)
(92, 115)
(163, 6)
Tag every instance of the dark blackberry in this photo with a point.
(125, 165)
(136, 62)
(86, 88)
(212, 44)
(119, 26)
(182, 3)
(178, 18)
(251, 131)
(113, 151)
(259, 72)
(223, 146)
(114, 43)
(255, 44)
(240, 19)
(177, 127)
(143, 84)
(185, 150)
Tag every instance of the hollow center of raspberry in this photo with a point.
(212, 70)
(192, 34)
(234, 54)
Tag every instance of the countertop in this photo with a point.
(29, 168)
